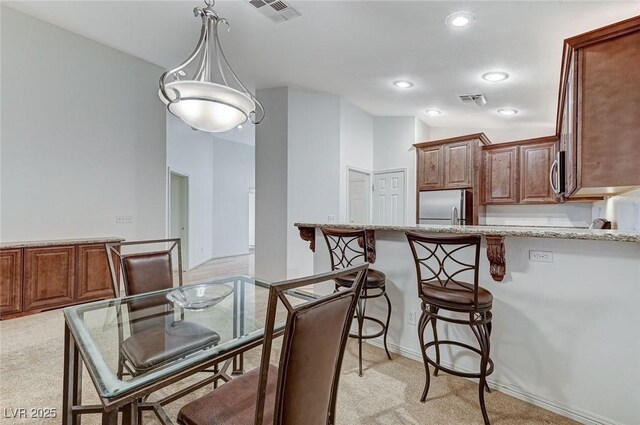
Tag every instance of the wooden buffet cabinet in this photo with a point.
(38, 276)
(518, 172)
(598, 120)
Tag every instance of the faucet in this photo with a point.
(454, 217)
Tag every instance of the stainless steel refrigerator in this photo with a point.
(445, 207)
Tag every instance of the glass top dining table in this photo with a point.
(138, 343)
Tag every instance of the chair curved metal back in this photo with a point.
(448, 261)
(312, 350)
(346, 247)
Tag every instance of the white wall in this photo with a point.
(393, 139)
(271, 186)
(233, 176)
(356, 147)
(190, 153)
(313, 155)
(568, 215)
(623, 211)
(496, 135)
(83, 137)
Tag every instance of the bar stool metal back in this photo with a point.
(347, 248)
(447, 272)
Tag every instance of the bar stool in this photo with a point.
(347, 248)
(442, 267)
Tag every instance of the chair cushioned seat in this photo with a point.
(375, 279)
(454, 294)
(157, 344)
(234, 403)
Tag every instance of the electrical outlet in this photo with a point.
(124, 219)
(332, 219)
(412, 318)
(541, 256)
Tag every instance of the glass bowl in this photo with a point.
(200, 296)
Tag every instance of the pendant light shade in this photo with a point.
(207, 101)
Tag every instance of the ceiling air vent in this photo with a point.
(478, 99)
(276, 10)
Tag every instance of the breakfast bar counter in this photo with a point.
(565, 311)
(494, 236)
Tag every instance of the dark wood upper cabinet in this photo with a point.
(94, 279)
(430, 168)
(535, 167)
(49, 279)
(458, 171)
(501, 175)
(10, 281)
(453, 163)
(598, 117)
(449, 163)
(518, 172)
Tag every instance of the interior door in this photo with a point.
(359, 190)
(389, 197)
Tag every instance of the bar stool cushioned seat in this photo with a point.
(438, 294)
(375, 279)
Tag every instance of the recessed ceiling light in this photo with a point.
(460, 19)
(495, 76)
(403, 84)
(507, 112)
(240, 126)
(432, 112)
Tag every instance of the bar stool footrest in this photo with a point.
(452, 371)
(376, 335)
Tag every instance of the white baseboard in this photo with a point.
(556, 406)
(239, 254)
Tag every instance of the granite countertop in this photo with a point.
(36, 244)
(518, 231)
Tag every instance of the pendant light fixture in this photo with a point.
(204, 91)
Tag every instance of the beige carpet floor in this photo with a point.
(31, 377)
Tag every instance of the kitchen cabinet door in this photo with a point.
(458, 165)
(10, 281)
(49, 279)
(501, 175)
(535, 166)
(430, 168)
(94, 278)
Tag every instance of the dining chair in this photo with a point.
(303, 388)
(155, 336)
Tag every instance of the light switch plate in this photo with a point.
(541, 256)
(412, 318)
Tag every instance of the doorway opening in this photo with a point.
(358, 196)
(179, 215)
(390, 196)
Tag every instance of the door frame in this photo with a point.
(370, 190)
(405, 172)
(184, 244)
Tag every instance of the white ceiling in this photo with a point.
(356, 49)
